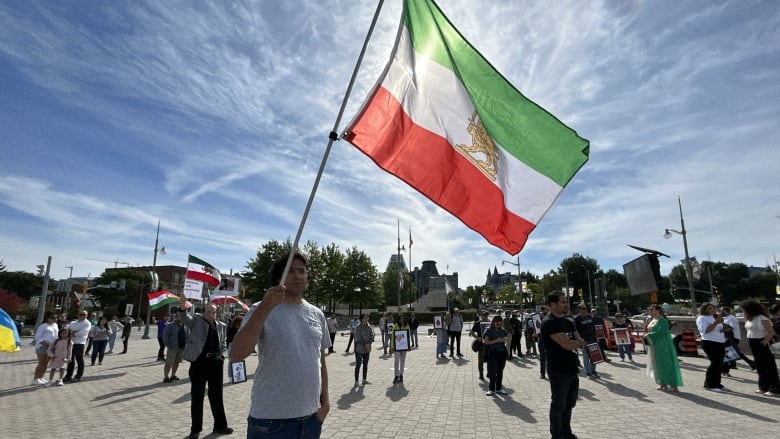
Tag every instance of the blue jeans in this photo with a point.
(413, 339)
(588, 365)
(623, 350)
(111, 341)
(306, 427)
(564, 388)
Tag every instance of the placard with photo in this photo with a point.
(237, 372)
(621, 336)
(401, 337)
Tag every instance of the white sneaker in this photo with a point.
(38, 382)
(490, 393)
(60, 383)
(503, 392)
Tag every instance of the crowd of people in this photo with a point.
(289, 394)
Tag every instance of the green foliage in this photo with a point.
(257, 277)
(25, 285)
(11, 303)
(334, 276)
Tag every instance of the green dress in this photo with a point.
(665, 367)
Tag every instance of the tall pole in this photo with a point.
(519, 282)
(154, 275)
(688, 267)
(398, 265)
(411, 279)
(590, 295)
(44, 292)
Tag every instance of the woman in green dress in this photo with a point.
(662, 362)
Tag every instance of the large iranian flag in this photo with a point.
(442, 119)
(200, 270)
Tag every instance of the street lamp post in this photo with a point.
(154, 276)
(519, 285)
(688, 267)
(590, 294)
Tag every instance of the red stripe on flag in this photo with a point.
(428, 163)
(203, 277)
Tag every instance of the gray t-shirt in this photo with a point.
(287, 381)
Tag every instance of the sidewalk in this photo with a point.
(439, 399)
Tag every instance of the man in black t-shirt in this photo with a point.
(560, 340)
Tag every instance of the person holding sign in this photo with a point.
(587, 330)
(623, 337)
(399, 344)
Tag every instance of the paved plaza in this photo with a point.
(125, 397)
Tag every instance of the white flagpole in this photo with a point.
(331, 138)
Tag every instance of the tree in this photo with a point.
(257, 277)
(25, 285)
(392, 283)
(11, 303)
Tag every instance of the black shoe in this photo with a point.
(75, 380)
(225, 430)
(482, 378)
(401, 379)
(167, 380)
(395, 380)
(193, 436)
(66, 379)
(174, 378)
(459, 354)
(542, 377)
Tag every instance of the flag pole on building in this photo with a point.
(333, 136)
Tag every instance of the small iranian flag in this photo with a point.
(443, 120)
(161, 298)
(200, 270)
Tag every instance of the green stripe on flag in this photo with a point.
(517, 124)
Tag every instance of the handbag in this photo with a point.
(476, 345)
(731, 355)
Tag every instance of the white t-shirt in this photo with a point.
(755, 328)
(46, 332)
(287, 382)
(732, 321)
(79, 329)
(715, 335)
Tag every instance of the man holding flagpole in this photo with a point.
(290, 388)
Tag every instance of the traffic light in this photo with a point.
(40, 269)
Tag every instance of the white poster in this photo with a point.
(193, 289)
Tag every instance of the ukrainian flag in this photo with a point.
(9, 336)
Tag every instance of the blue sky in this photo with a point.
(213, 117)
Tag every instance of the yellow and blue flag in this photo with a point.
(9, 336)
